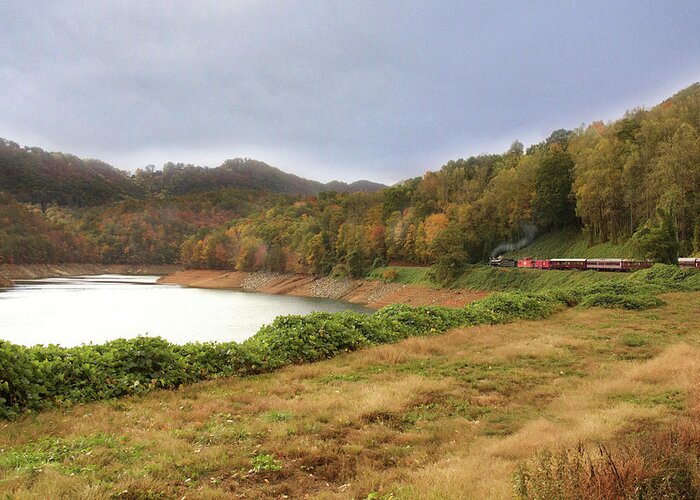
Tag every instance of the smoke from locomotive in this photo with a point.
(529, 232)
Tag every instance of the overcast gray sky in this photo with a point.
(326, 89)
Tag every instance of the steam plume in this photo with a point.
(529, 231)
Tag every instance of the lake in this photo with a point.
(82, 309)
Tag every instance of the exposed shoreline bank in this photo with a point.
(373, 294)
(10, 272)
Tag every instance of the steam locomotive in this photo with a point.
(586, 264)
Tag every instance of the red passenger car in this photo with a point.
(568, 263)
(526, 262)
(634, 265)
(543, 264)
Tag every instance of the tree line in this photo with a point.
(637, 177)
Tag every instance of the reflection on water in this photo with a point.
(82, 309)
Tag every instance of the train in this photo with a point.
(622, 265)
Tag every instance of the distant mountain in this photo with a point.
(240, 173)
(37, 176)
(33, 175)
(354, 187)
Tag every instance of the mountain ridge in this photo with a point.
(37, 176)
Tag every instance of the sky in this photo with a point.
(377, 89)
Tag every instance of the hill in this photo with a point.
(238, 173)
(354, 187)
(588, 192)
(37, 176)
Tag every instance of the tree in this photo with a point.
(656, 240)
(553, 205)
(451, 256)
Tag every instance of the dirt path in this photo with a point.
(374, 294)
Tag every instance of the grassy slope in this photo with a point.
(529, 280)
(572, 244)
(438, 416)
(407, 275)
(482, 277)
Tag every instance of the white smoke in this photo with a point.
(529, 231)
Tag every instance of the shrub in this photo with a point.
(663, 464)
(636, 301)
(389, 275)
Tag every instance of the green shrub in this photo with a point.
(670, 278)
(635, 302)
(302, 339)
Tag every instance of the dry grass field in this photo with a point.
(451, 416)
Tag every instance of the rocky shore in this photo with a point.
(374, 294)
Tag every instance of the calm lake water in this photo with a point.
(76, 310)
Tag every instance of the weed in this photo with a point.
(276, 416)
(634, 340)
(264, 462)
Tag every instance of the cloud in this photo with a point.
(332, 89)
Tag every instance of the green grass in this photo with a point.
(480, 277)
(65, 454)
(404, 275)
(483, 277)
(672, 399)
(570, 243)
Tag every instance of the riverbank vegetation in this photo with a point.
(601, 190)
(32, 378)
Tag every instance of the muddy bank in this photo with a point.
(9, 272)
(374, 294)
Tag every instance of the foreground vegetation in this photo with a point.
(449, 416)
(32, 378)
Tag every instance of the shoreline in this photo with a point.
(11, 272)
(372, 294)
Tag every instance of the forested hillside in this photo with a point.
(635, 181)
(240, 173)
(37, 176)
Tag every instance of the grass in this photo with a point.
(481, 277)
(445, 416)
(570, 243)
(406, 275)
(487, 278)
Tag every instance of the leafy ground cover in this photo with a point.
(450, 416)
